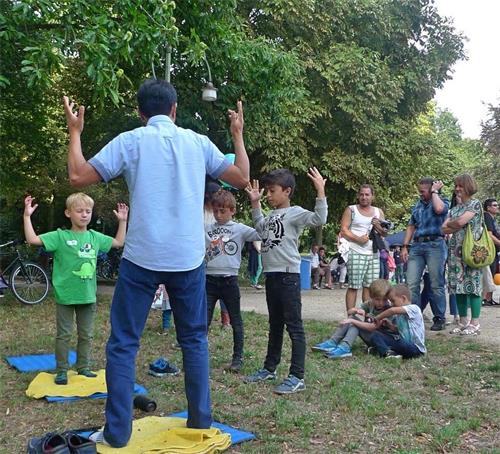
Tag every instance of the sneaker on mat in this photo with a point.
(290, 385)
(260, 375)
(342, 351)
(161, 367)
(61, 378)
(325, 346)
(87, 373)
(50, 443)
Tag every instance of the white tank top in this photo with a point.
(361, 225)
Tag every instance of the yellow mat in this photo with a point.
(78, 385)
(159, 435)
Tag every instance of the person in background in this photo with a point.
(491, 211)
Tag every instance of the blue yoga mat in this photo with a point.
(237, 435)
(37, 363)
(138, 389)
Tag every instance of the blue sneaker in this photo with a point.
(260, 375)
(342, 351)
(162, 367)
(325, 346)
(290, 385)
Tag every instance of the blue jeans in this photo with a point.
(433, 254)
(285, 310)
(129, 310)
(384, 342)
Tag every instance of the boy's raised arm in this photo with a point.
(121, 214)
(80, 172)
(318, 181)
(29, 231)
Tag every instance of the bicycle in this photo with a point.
(27, 280)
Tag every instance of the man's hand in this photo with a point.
(318, 181)
(437, 185)
(363, 239)
(404, 254)
(347, 321)
(29, 209)
(74, 121)
(121, 212)
(252, 189)
(236, 119)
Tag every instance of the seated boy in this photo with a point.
(280, 231)
(340, 343)
(224, 240)
(409, 342)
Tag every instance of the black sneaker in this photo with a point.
(80, 445)
(50, 443)
(391, 354)
(87, 373)
(438, 325)
(235, 366)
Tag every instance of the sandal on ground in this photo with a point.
(458, 329)
(471, 330)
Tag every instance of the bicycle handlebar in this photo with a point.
(12, 243)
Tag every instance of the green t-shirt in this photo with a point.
(75, 258)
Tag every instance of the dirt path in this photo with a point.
(328, 305)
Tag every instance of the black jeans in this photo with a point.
(226, 289)
(285, 310)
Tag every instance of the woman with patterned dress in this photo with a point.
(463, 281)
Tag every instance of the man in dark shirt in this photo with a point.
(428, 248)
(490, 211)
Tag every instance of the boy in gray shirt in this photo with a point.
(224, 240)
(280, 231)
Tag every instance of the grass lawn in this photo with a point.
(447, 402)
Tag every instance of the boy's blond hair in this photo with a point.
(380, 288)
(79, 198)
(224, 199)
(401, 290)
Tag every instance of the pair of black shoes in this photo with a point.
(66, 443)
(438, 325)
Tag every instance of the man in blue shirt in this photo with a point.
(428, 248)
(164, 167)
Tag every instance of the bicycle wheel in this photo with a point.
(29, 283)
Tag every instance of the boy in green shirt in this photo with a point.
(73, 276)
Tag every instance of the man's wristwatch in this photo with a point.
(434, 192)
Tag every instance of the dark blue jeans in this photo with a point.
(433, 254)
(134, 291)
(226, 289)
(285, 310)
(384, 342)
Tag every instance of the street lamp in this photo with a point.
(209, 92)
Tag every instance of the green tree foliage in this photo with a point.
(341, 84)
(488, 170)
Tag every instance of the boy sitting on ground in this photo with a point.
(408, 323)
(339, 345)
(74, 275)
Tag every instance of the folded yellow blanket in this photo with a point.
(78, 385)
(158, 435)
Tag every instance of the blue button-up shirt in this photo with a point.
(426, 221)
(164, 167)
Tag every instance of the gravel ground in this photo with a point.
(328, 305)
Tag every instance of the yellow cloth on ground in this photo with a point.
(158, 435)
(78, 385)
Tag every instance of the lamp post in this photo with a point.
(209, 92)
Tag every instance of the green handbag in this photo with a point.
(481, 252)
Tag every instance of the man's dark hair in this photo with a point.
(487, 203)
(156, 97)
(280, 177)
(426, 180)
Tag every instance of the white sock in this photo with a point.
(98, 437)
